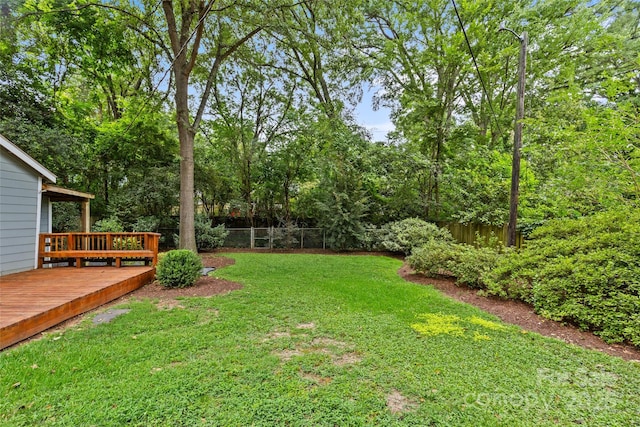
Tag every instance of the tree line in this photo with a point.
(246, 107)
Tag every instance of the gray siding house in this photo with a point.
(26, 193)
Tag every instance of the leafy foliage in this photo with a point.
(405, 235)
(111, 224)
(585, 271)
(473, 263)
(179, 268)
(208, 237)
(341, 217)
(468, 264)
(65, 217)
(146, 223)
(434, 257)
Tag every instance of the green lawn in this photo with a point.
(313, 340)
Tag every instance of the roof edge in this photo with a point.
(27, 159)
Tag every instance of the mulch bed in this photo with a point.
(204, 287)
(521, 314)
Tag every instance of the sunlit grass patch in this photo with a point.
(438, 324)
(486, 323)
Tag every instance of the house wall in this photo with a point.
(45, 215)
(19, 193)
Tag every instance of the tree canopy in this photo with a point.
(245, 109)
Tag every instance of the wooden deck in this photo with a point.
(36, 300)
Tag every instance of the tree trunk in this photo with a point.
(186, 136)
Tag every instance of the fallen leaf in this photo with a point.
(16, 385)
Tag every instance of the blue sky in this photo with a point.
(377, 122)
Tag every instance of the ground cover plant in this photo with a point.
(312, 340)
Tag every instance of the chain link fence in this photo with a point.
(276, 238)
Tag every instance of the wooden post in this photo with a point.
(41, 245)
(86, 216)
(517, 142)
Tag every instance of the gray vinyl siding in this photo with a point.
(18, 214)
(44, 215)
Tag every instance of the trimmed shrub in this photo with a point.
(468, 264)
(473, 263)
(179, 268)
(373, 237)
(403, 236)
(434, 257)
(584, 271)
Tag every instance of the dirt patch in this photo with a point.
(327, 342)
(276, 335)
(286, 355)
(397, 403)
(206, 286)
(347, 359)
(169, 304)
(309, 325)
(319, 380)
(215, 261)
(521, 314)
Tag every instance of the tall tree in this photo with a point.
(228, 26)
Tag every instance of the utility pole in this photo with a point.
(517, 138)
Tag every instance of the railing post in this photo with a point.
(40, 249)
(252, 237)
(270, 231)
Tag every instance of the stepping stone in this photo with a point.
(207, 270)
(109, 315)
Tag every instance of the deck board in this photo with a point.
(36, 300)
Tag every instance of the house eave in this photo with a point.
(27, 159)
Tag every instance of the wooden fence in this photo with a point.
(468, 233)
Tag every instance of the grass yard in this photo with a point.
(313, 340)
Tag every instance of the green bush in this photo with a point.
(179, 268)
(372, 238)
(403, 236)
(468, 264)
(584, 271)
(111, 224)
(434, 257)
(146, 223)
(286, 237)
(126, 243)
(473, 263)
(208, 237)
